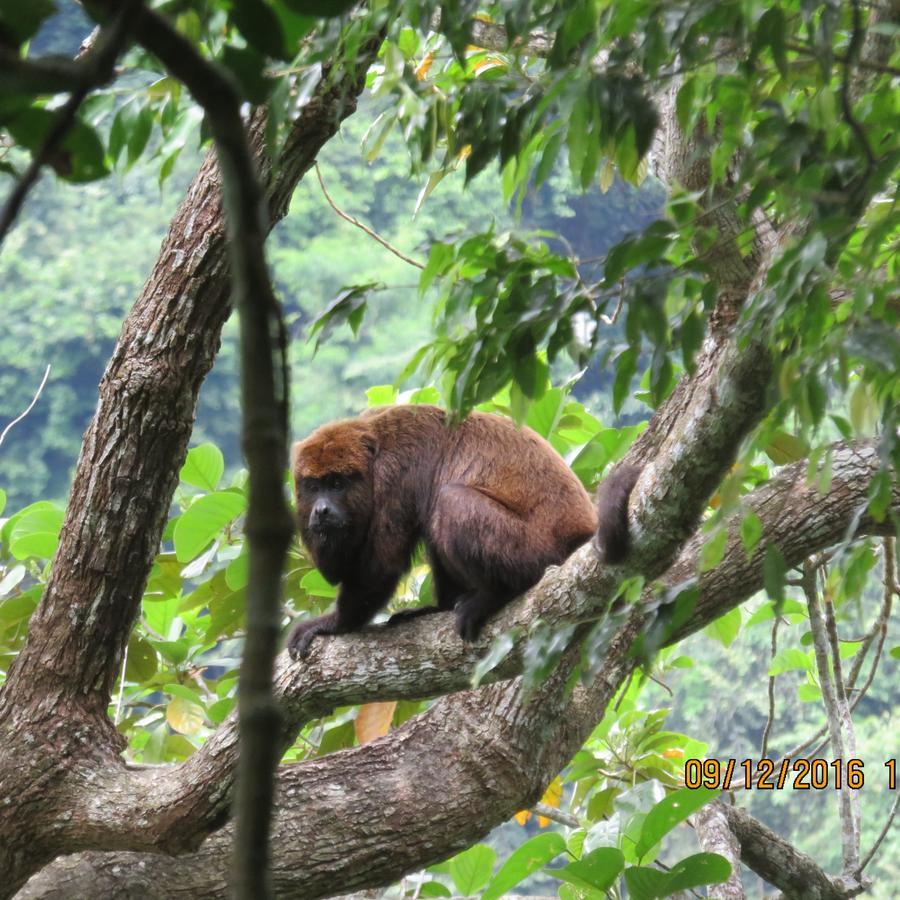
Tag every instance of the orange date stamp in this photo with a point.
(776, 775)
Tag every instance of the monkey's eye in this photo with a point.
(333, 482)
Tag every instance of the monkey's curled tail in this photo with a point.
(612, 537)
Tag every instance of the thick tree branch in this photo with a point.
(785, 867)
(494, 749)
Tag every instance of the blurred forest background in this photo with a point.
(79, 255)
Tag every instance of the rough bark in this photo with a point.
(714, 836)
(53, 722)
(781, 864)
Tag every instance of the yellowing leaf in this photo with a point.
(552, 797)
(673, 753)
(183, 716)
(374, 720)
(522, 816)
(464, 153)
(489, 62)
(422, 68)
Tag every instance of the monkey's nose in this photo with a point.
(320, 511)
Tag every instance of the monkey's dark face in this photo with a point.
(334, 511)
(333, 474)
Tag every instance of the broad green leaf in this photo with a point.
(790, 659)
(203, 520)
(697, 870)
(186, 693)
(2, 501)
(260, 26)
(11, 580)
(785, 448)
(725, 628)
(751, 531)
(20, 21)
(219, 711)
(203, 467)
(237, 572)
(20, 606)
(435, 889)
(471, 870)
(774, 572)
(669, 812)
(35, 531)
(315, 585)
(142, 662)
(599, 869)
(713, 550)
(644, 883)
(524, 860)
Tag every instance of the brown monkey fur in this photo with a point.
(494, 505)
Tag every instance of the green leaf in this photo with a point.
(785, 448)
(669, 812)
(697, 870)
(315, 585)
(237, 572)
(471, 870)
(524, 860)
(35, 531)
(81, 155)
(598, 870)
(713, 550)
(260, 26)
(11, 580)
(2, 501)
(219, 711)
(249, 68)
(790, 659)
(644, 883)
(203, 467)
(142, 662)
(774, 572)
(20, 20)
(725, 628)
(751, 532)
(348, 307)
(203, 520)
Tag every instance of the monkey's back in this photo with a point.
(512, 465)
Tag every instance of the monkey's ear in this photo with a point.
(370, 443)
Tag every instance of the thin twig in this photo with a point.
(354, 221)
(771, 718)
(852, 59)
(879, 630)
(96, 68)
(555, 815)
(30, 405)
(887, 827)
(847, 808)
(118, 716)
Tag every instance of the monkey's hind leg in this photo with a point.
(489, 550)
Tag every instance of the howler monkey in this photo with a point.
(494, 505)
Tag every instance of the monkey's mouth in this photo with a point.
(322, 531)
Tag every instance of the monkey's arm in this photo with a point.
(356, 605)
